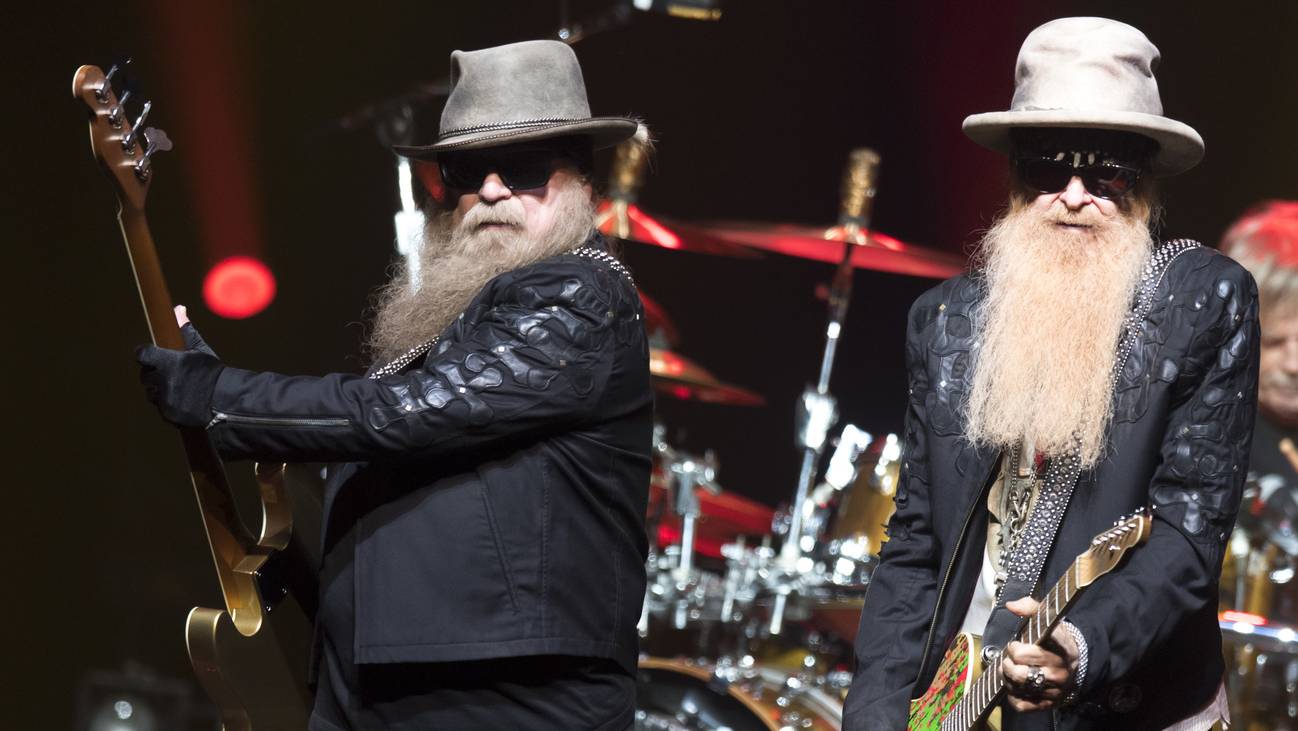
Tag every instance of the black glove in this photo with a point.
(181, 382)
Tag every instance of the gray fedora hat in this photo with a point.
(519, 92)
(1090, 73)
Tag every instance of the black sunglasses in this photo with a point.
(1109, 181)
(518, 169)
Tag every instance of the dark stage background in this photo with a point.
(755, 115)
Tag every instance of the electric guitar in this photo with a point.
(961, 696)
(249, 655)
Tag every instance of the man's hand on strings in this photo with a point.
(1038, 676)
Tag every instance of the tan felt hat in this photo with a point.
(1090, 73)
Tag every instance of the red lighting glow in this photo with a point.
(655, 231)
(238, 287)
(1231, 615)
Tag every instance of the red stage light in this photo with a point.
(1231, 615)
(238, 287)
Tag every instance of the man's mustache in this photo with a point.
(507, 212)
(1085, 217)
(1279, 379)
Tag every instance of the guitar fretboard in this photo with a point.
(988, 687)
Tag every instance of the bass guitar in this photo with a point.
(249, 655)
(961, 696)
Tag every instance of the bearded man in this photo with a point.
(484, 538)
(1083, 371)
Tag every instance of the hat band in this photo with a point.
(501, 126)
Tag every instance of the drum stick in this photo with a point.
(1290, 452)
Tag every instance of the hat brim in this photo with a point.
(602, 131)
(1179, 146)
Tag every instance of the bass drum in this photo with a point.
(676, 696)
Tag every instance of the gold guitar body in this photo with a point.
(258, 683)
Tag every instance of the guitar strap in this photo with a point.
(1028, 556)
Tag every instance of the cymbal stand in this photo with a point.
(690, 473)
(626, 177)
(818, 409)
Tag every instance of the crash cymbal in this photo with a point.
(880, 252)
(658, 324)
(627, 221)
(679, 377)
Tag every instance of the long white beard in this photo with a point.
(1047, 330)
(458, 257)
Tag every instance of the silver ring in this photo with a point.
(1036, 678)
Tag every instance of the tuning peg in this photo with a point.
(128, 140)
(115, 116)
(155, 140)
(106, 85)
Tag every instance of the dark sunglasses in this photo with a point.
(518, 169)
(1105, 180)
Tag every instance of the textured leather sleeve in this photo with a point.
(533, 355)
(1210, 303)
(899, 603)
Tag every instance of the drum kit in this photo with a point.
(1259, 605)
(750, 612)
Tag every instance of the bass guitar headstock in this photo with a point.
(1108, 548)
(121, 144)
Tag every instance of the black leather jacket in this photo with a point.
(1179, 441)
(493, 494)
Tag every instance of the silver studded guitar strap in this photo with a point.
(1025, 563)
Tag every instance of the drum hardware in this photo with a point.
(736, 579)
(689, 473)
(852, 443)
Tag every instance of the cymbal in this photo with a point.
(629, 222)
(658, 324)
(880, 253)
(679, 377)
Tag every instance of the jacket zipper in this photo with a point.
(959, 543)
(220, 417)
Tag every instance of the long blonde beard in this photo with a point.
(1048, 327)
(458, 257)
